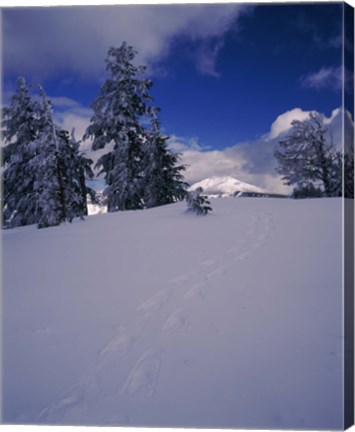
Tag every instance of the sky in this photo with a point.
(228, 78)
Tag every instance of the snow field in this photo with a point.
(160, 318)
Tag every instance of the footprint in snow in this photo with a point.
(209, 262)
(145, 374)
(181, 278)
(217, 272)
(242, 256)
(262, 237)
(154, 303)
(69, 402)
(124, 341)
(196, 291)
(237, 246)
(257, 245)
(234, 249)
(176, 321)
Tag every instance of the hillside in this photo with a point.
(160, 318)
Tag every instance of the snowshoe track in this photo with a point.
(193, 287)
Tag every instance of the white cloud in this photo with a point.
(65, 105)
(206, 58)
(69, 115)
(326, 77)
(251, 161)
(48, 41)
(335, 113)
(234, 162)
(274, 184)
(202, 164)
(283, 122)
(63, 101)
(179, 144)
(331, 78)
(71, 121)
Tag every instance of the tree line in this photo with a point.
(44, 173)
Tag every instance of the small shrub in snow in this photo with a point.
(198, 203)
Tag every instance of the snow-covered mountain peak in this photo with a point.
(222, 186)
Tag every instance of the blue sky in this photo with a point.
(225, 76)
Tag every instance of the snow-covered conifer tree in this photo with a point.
(121, 103)
(60, 172)
(198, 203)
(19, 131)
(162, 178)
(44, 172)
(49, 183)
(76, 168)
(307, 154)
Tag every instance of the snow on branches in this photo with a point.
(197, 203)
(307, 159)
(140, 171)
(43, 169)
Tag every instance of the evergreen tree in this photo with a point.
(76, 169)
(60, 172)
(307, 155)
(49, 169)
(163, 181)
(198, 203)
(20, 125)
(44, 172)
(121, 103)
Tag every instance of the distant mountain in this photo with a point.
(227, 186)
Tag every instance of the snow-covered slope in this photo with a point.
(161, 318)
(224, 186)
